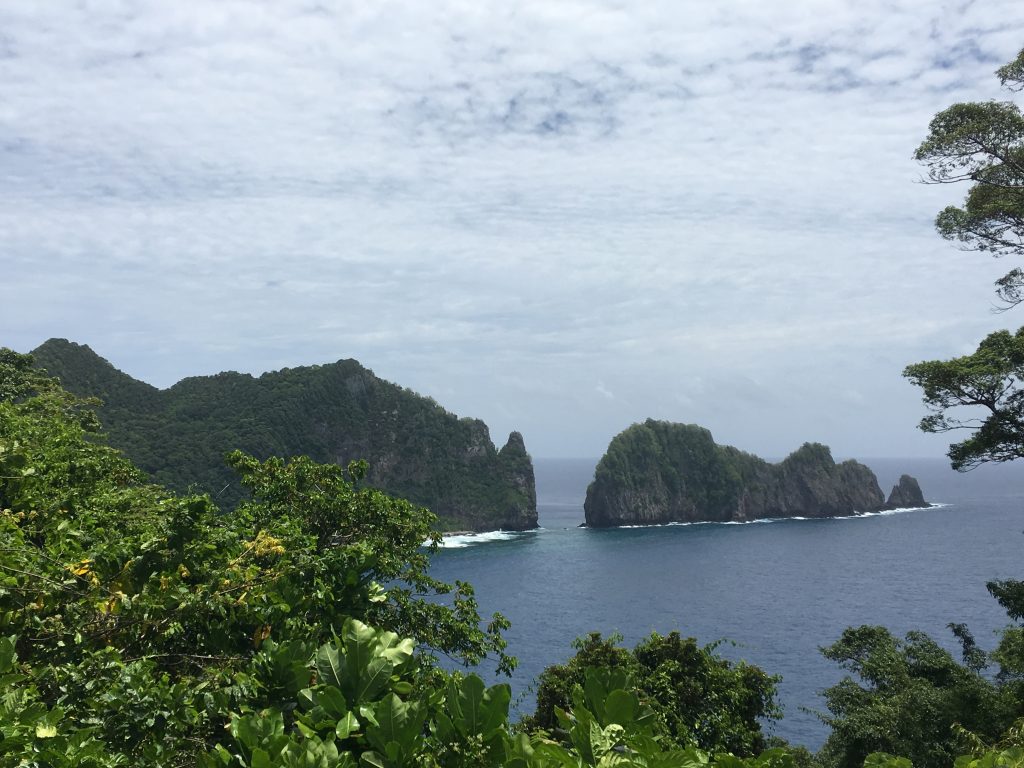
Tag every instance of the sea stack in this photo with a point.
(906, 494)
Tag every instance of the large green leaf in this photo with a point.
(471, 703)
(399, 726)
(621, 707)
(332, 701)
(330, 666)
(884, 760)
(498, 698)
(346, 726)
(372, 679)
(260, 759)
(8, 656)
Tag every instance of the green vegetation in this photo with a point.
(696, 697)
(911, 698)
(141, 627)
(981, 143)
(140, 619)
(991, 378)
(332, 413)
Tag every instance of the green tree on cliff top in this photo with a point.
(981, 143)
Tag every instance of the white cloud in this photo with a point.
(708, 208)
(603, 391)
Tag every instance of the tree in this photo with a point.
(905, 696)
(991, 378)
(983, 143)
(698, 698)
(912, 698)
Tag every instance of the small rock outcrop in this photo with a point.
(906, 494)
(659, 472)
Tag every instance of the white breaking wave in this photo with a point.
(855, 516)
(459, 540)
(900, 510)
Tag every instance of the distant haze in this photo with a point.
(561, 218)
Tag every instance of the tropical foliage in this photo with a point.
(911, 698)
(696, 697)
(138, 616)
(990, 378)
(141, 627)
(982, 143)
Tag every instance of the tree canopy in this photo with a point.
(991, 378)
(910, 697)
(983, 143)
(696, 696)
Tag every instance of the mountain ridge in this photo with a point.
(333, 412)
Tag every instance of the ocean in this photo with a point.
(775, 591)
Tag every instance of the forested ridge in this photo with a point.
(336, 412)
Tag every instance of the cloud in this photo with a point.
(603, 391)
(502, 204)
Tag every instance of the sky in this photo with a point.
(562, 217)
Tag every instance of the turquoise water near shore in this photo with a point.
(777, 591)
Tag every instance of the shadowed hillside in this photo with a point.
(336, 412)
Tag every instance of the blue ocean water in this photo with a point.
(777, 590)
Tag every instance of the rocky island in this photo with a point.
(660, 472)
(332, 413)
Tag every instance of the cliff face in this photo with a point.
(808, 483)
(658, 472)
(337, 412)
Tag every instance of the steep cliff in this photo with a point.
(336, 412)
(658, 472)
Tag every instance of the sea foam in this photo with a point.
(765, 520)
(459, 540)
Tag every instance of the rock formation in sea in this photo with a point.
(906, 494)
(659, 472)
(336, 412)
